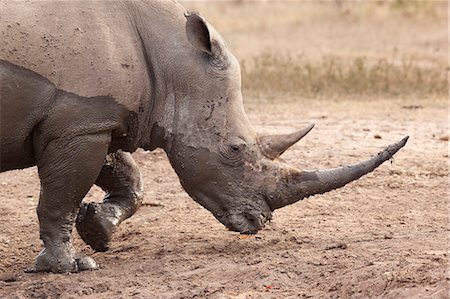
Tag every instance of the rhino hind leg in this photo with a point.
(68, 167)
(121, 179)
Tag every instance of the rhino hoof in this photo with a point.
(56, 261)
(95, 226)
(86, 263)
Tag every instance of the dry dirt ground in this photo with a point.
(386, 235)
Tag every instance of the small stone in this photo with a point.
(337, 246)
(243, 236)
(388, 276)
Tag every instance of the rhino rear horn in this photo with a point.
(274, 146)
(294, 185)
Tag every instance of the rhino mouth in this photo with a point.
(247, 222)
(246, 218)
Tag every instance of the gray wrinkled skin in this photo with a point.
(84, 83)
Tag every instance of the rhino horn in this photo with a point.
(273, 146)
(294, 185)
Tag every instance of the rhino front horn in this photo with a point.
(294, 185)
(274, 146)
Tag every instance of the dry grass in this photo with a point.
(392, 48)
(414, 7)
(270, 74)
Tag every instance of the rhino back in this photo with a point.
(89, 48)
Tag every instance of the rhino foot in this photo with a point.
(61, 260)
(56, 260)
(86, 263)
(96, 223)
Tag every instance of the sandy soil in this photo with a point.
(385, 235)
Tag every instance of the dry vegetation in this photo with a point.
(309, 49)
(350, 76)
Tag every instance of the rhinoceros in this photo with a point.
(85, 83)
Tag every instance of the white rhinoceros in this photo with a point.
(84, 83)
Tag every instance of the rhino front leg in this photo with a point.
(121, 179)
(67, 170)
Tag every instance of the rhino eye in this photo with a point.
(234, 147)
(231, 154)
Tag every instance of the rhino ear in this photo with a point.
(198, 33)
(204, 37)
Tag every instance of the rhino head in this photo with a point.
(221, 161)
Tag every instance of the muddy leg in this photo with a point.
(121, 179)
(67, 170)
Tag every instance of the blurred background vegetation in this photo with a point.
(336, 48)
